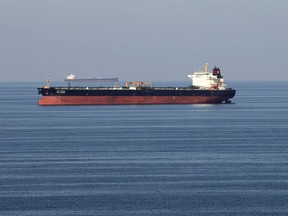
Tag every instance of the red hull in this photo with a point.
(110, 100)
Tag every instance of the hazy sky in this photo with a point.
(149, 40)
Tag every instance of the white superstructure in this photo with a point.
(70, 76)
(208, 80)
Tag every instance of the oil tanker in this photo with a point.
(207, 88)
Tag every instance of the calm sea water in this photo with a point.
(228, 159)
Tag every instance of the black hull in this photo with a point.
(109, 96)
(54, 91)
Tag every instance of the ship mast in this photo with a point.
(48, 80)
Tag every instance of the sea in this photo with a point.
(222, 159)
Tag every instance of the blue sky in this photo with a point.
(149, 40)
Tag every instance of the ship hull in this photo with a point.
(110, 96)
(121, 100)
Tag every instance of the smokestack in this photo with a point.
(206, 68)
